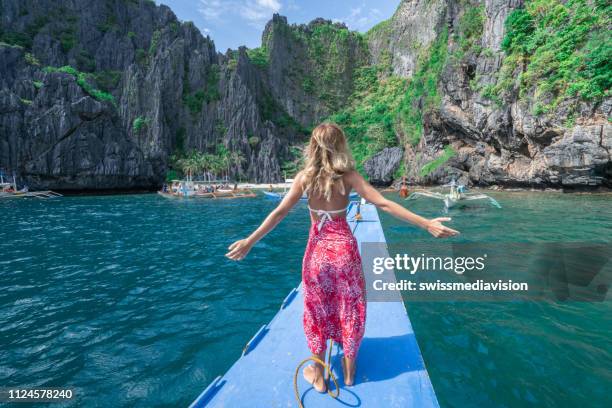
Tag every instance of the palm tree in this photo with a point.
(224, 161)
(237, 159)
(192, 164)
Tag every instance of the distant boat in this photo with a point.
(9, 190)
(457, 197)
(199, 189)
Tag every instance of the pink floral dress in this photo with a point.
(334, 288)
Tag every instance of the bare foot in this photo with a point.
(349, 374)
(314, 377)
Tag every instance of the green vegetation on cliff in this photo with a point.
(387, 110)
(326, 56)
(422, 94)
(82, 79)
(560, 50)
(195, 100)
(370, 121)
(438, 162)
(259, 56)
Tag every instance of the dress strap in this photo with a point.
(325, 215)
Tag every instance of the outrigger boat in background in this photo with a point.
(9, 190)
(203, 189)
(457, 197)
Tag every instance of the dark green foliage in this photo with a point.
(308, 85)
(259, 56)
(82, 79)
(179, 147)
(67, 39)
(141, 57)
(24, 39)
(557, 50)
(270, 110)
(172, 174)
(212, 84)
(140, 123)
(195, 100)
(519, 30)
(16, 38)
(85, 62)
(66, 69)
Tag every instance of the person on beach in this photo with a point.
(332, 278)
(403, 192)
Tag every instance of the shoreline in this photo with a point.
(389, 189)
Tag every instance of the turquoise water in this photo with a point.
(129, 300)
(517, 354)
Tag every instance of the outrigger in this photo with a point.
(204, 189)
(10, 190)
(457, 197)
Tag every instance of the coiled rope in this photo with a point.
(328, 370)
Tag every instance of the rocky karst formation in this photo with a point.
(101, 95)
(505, 138)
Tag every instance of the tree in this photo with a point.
(191, 164)
(236, 158)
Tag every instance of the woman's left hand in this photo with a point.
(239, 249)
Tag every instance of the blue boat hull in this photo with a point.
(390, 370)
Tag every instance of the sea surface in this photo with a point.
(129, 300)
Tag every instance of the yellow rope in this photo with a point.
(328, 371)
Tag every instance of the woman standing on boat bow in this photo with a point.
(334, 286)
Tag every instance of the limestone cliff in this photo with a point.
(506, 116)
(101, 94)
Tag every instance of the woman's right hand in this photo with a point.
(239, 249)
(435, 228)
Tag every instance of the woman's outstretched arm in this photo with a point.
(239, 249)
(365, 190)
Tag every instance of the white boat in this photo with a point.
(199, 189)
(457, 197)
(9, 191)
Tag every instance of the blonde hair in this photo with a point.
(327, 159)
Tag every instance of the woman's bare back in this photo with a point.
(337, 202)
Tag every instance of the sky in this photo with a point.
(232, 23)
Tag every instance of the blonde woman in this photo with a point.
(332, 278)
